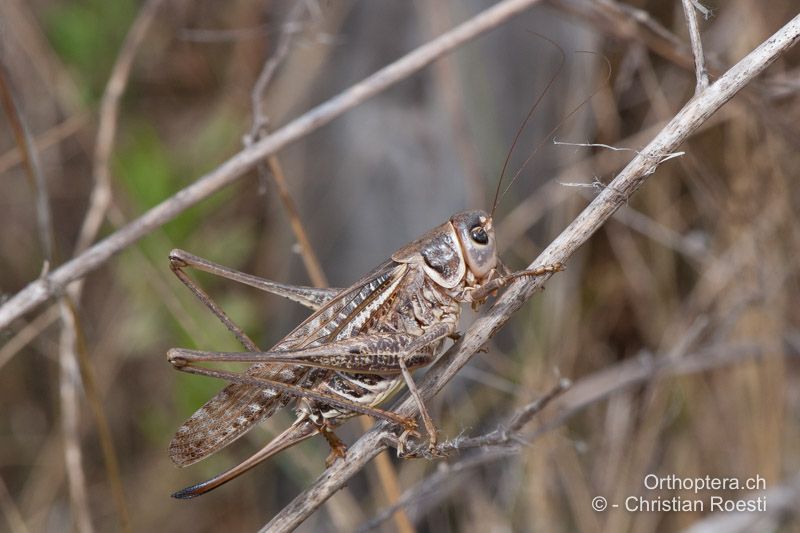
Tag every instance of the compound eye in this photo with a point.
(479, 235)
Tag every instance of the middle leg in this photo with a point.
(368, 354)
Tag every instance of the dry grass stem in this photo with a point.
(79, 350)
(291, 27)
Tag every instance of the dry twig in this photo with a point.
(45, 140)
(697, 45)
(72, 346)
(107, 125)
(69, 378)
(70, 384)
(506, 441)
(10, 102)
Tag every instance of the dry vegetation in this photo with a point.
(677, 322)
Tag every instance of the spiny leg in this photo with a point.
(481, 293)
(320, 357)
(377, 353)
(311, 297)
(177, 264)
(368, 354)
(294, 390)
(423, 411)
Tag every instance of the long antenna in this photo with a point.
(563, 120)
(527, 119)
(498, 196)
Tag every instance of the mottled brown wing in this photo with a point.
(229, 414)
(235, 409)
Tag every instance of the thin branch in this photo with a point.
(72, 345)
(697, 45)
(529, 211)
(28, 333)
(110, 459)
(30, 159)
(107, 126)
(508, 433)
(525, 414)
(291, 27)
(702, 9)
(49, 138)
(600, 385)
(69, 378)
(70, 381)
(637, 220)
(502, 443)
(590, 220)
(432, 487)
(43, 289)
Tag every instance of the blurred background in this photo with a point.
(676, 322)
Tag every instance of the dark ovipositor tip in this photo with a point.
(189, 492)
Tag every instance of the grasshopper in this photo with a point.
(359, 345)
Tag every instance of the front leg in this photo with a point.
(479, 294)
